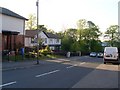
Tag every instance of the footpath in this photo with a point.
(12, 65)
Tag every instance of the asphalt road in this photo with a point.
(79, 72)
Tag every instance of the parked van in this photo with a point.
(111, 55)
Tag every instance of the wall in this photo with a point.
(43, 36)
(28, 42)
(0, 42)
(54, 41)
(49, 42)
(12, 24)
(0, 23)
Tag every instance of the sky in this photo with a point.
(59, 15)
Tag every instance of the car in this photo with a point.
(93, 54)
(111, 55)
(100, 55)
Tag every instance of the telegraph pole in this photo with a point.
(37, 4)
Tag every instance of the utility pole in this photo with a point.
(37, 4)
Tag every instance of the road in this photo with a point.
(78, 72)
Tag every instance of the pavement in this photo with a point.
(12, 65)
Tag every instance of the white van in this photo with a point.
(110, 55)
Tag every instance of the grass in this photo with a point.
(13, 58)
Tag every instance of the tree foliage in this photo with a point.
(31, 24)
(113, 34)
(85, 38)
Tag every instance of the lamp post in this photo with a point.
(37, 4)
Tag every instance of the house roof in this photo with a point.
(8, 12)
(51, 35)
(32, 33)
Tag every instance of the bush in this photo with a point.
(45, 51)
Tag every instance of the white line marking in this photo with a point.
(83, 63)
(47, 73)
(75, 65)
(8, 84)
(70, 66)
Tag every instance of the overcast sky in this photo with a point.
(61, 14)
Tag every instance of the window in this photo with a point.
(45, 40)
(50, 40)
(52, 48)
(57, 40)
(32, 40)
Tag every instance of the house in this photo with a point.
(48, 39)
(13, 29)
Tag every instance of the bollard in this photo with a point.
(68, 54)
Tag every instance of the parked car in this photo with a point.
(100, 55)
(111, 55)
(93, 54)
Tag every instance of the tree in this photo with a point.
(88, 32)
(51, 31)
(66, 43)
(68, 38)
(31, 23)
(113, 34)
(81, 24)
(42, 27)
(85, 38)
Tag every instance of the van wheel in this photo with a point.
(104, 62)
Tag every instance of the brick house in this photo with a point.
(48, 39)
(12, 31)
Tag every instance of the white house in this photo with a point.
(52, 40)
(12, 31)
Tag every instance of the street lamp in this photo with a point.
(37, 4)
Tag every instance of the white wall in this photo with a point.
(42, 36)
(49, 42)
(12, 24)
(53, 41)
(0, 23)
(28, 42)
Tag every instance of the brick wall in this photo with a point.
(17, 42)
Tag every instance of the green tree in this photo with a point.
(85, 38)
(113, 34)
(66, 43)
(81, 25)
(88, 32)
(31, 23)
(42, 27)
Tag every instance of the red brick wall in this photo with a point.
(19, 42)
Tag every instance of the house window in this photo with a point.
(51, 41)
(57, 40)
(45, 40)
(52, 48)
(32, 40)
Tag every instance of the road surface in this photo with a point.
(78, 72)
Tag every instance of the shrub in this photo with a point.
(45, 51)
